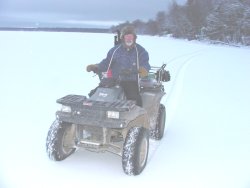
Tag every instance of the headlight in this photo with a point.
(66, 109)
(113, 114)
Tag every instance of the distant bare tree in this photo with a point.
(152, 28)
(161, 18)
(196, 12)
(178, 22)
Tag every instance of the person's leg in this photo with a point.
(132, 91)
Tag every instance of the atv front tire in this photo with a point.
(135, 151)
(60, 141)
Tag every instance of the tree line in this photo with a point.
(226, 21)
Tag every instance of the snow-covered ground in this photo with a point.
(207, 141)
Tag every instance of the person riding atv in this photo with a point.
(111, 120)
(126, 55)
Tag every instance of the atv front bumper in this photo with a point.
(93, 120)
(84, 111)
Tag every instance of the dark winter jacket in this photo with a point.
(121, 58)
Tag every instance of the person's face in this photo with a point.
(129, 40)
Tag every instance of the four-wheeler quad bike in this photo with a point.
(106, 121)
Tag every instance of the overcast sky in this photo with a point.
(106, 10)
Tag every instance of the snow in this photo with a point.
(207, 140)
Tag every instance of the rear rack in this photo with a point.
(82, 102)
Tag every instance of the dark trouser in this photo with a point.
(132, 91)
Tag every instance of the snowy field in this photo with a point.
(207, 140)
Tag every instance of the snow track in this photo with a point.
(174, 92)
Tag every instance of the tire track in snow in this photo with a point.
(172, 98)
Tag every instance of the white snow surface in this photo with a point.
(207, 140)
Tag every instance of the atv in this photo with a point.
(106, 121)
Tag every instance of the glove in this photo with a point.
(143, 72)
(92, 67)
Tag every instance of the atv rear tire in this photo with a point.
(135, 151)
(60, 141)
(158, 133)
